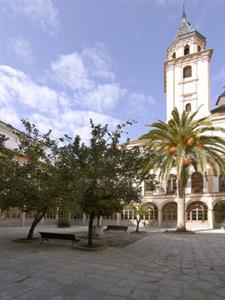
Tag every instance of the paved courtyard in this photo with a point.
(157, 266)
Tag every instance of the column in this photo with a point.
(84, 219)
(118, 218)
(57, 213)
(142, 189)
(188, 187)
(159, 217)
(23, 218)
(210, 218)
(215, 184)
(205, 185)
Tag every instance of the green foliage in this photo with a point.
(63, 223)
(34, 186)
(101, 176)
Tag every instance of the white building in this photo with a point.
(187, 87)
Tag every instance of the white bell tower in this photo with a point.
(187, 71)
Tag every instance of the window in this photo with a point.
(148, 186)
(174, 55)
(170, 212)
(196, 183)
(197, 211)
(187, 72)
(172, 184)
(188, 107)
(186, 50)
(222, 183)
(199, 48)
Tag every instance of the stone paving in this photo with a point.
(158, 266)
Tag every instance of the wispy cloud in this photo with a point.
(20, 97)
(22, 49)
(86, 88)
(42, 12)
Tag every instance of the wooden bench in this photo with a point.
(117, 227)
(45, 236)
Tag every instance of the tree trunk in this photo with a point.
(137, 227)
(98, 220)
(181, 222)
(90, 231)
(36, 220)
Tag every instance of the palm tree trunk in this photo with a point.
(181, 221)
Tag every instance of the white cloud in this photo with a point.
(89, 76)
(42, 12)
(16, 85)
(139, 103)
(94, 93)
(20, 97)
(104, 97)
(70, 71)
(22, 49)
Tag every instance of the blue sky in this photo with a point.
(63, 62)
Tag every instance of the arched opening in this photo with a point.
(219, 212)
(197, 211)
(187, 72)
(174, 55)
(169, 212)
(186, 50)
(172, 184)
(188, 107)
(222, 183)
(199, 48)
(152, 214)
(196, 183)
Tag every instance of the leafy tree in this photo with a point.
(7, 170)
(34, 187)
(183, 142)
(102, 175)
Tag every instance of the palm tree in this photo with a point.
(181, 143)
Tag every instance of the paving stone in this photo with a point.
(157, 267)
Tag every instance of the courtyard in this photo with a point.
(156, 266)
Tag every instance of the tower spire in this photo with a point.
(184, 16)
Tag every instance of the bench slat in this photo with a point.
(59, 236)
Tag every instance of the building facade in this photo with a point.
(187, 87)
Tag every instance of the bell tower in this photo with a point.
(187, 71)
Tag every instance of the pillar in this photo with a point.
(210, 218)
(118, 218)
(188, 187)
(215, 184)
(57, 213)
(205, 185)
(84, 219)
(159, 217)
(23, 218)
